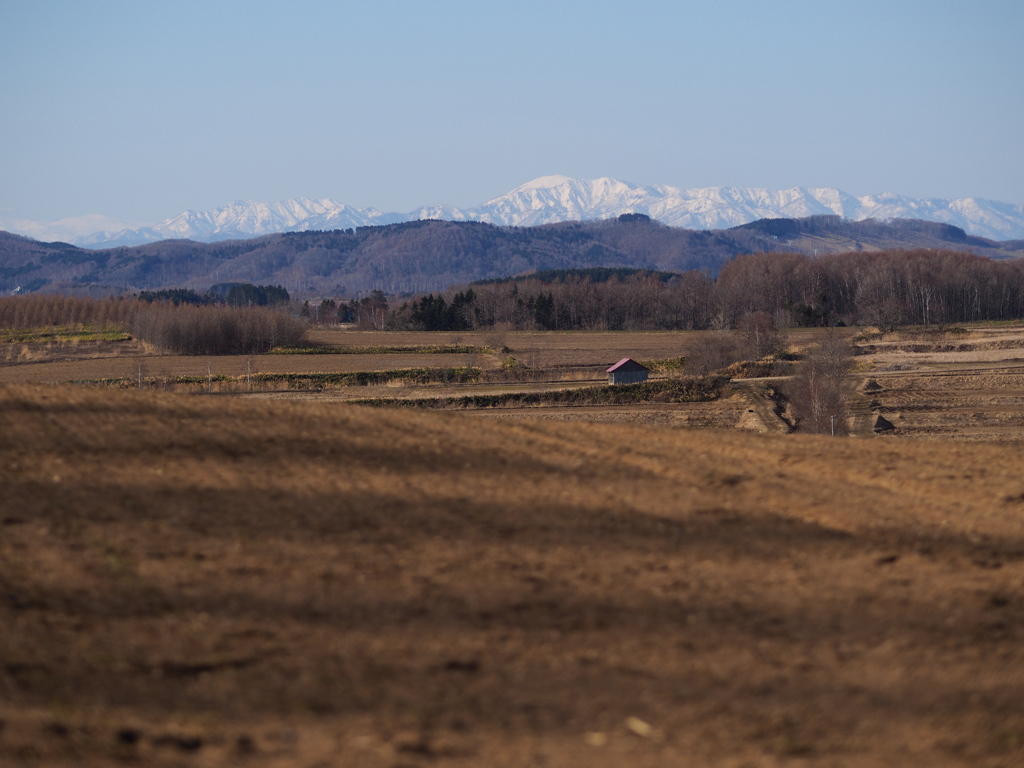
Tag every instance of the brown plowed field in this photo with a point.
(227, 365)
(968, 389)
(201, 581)
(548, 349)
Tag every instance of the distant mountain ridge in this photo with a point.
(547, 200)
(430, 255)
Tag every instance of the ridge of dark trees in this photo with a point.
(595, 274)
(231, 294)
(422, 256)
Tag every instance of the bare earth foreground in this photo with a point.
(199, 581)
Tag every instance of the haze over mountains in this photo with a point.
(545, 200)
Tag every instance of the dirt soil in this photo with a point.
(205, 581)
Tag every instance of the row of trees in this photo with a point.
(55, 310)
(216, 330)
(435, 314)
(885, 289)
(182, 328)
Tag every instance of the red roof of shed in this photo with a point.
(627, 364)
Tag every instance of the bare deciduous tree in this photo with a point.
(760, 336)
(818, 391)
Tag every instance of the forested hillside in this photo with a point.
(421, 256)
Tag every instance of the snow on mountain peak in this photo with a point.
(544, 182)
(545, 200)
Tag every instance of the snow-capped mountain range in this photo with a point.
(545, 200)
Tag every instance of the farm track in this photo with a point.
(761, 405)
(861, 415)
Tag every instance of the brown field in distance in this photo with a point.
(285, 579)
(57, 363)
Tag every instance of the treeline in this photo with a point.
(884, 289)
(182, 328)
(54, 310)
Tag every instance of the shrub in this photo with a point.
(711, 352)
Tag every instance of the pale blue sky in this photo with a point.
(140, 110)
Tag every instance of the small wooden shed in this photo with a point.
(627, 371)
